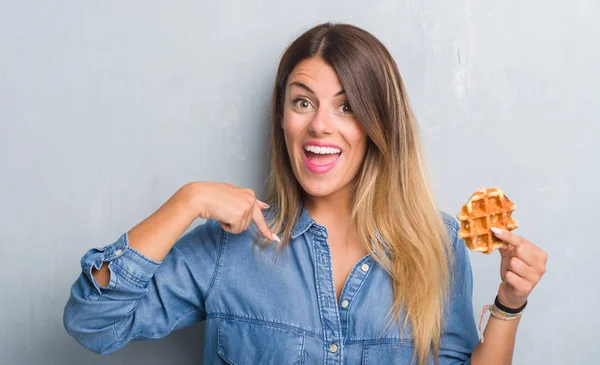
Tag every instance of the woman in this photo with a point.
(367, 271)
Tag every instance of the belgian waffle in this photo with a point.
(487, 207)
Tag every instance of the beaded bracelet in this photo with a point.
(500, 314)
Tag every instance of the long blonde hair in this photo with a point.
(392, 205)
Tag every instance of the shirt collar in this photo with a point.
(303, 222)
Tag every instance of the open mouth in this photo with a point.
(321, 159)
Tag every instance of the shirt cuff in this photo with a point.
(126, 265)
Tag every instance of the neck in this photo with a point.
(331, 210)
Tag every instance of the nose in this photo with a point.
(322, 123)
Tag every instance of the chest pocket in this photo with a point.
(396, 354)
(246, 343)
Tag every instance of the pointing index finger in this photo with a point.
(260, 222)
(262, 204)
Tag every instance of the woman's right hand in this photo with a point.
(233, 207)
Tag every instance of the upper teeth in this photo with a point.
(322, 150)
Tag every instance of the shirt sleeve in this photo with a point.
(144, 299)
(459, 336)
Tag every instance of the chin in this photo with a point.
(318, 188)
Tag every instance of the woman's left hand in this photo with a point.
(522, 266)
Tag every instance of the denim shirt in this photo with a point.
(257, 310)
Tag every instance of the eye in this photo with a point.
(346, 109)
(301, 103)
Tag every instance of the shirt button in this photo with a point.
(118, 252)
(333, 347)
(365, 267)
(345, 304)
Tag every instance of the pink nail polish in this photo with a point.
(497, 231)
(275, 238)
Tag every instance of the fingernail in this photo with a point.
(275, 238)
(497, 231)
(266, 206)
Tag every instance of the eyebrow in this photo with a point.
(298, 83)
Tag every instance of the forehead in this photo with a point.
(316, 74)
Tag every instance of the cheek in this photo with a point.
(357, 138)
(289, 135)
(289, 118)
(292, 126)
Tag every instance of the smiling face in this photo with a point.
(325, 142)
